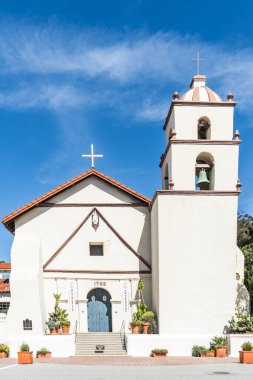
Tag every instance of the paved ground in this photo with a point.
(127, 368)
(127, 361)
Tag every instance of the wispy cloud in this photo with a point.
(51, 66)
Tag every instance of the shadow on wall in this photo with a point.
(242, 302)
(144, 246)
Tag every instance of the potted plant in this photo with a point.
(146, 319)
(65, 326)
(58, 320)
(203, 352)
(241, 323)
(135, 324)
(4, 351)
(246, 355)
(53, 326)
(25, 356)
(159, 352)
(219, 344)
(198, 351)
(43, 353)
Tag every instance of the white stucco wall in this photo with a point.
(181, 159)
(59, 345)
(83, 284)
(185, 121)
(197, 262)
(50, 227)
(26, 284)
(54, 225)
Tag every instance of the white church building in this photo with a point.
(92, 239)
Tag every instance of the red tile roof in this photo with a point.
(4, 286)
(8, 220)
(5, 266)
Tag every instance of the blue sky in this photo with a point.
(74, 73)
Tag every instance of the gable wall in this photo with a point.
(54, 225)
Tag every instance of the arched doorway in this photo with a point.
(99, 311)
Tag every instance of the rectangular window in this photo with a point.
(96, 249)
(4, 307)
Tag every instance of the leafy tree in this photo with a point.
(245, 243)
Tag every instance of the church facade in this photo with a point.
(92, 239)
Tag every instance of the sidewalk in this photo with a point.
(127, 361)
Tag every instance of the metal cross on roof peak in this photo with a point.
(198, 59)
(92, 156)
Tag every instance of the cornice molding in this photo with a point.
(196, 142)
(196, 193)
(95, 271)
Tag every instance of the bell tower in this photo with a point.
(199, 141)
(194, 217)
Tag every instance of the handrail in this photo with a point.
(123, 335)
(75, 330)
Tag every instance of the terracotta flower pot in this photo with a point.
(135, 329)
(53, 330)
(3, 355)
(246, 357)
(145, 326)
(207, 355)
(220, 352)
(25, 357)
(65, 329)
(159, 355)
(44, 356)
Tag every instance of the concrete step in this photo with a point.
(103, 354)
(86, 344)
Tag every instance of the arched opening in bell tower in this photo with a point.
(204, 171)
(204, 128)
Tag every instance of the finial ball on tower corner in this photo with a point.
(175, 96)
(230, 96)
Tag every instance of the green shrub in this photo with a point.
(135, 323)
(148, 316)
(160, 351)
(198, 350)
(240, 323)
(4, 348)
(24, 347)
(43, 351)
(218, 342)
(247, 346)
(65, 323)
(153, 328)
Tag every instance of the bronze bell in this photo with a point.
(202, 180)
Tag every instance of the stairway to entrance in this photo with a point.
(100, 344)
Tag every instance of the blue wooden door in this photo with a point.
(99, 311)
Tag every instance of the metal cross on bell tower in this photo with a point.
(198, 60)
(92, 156)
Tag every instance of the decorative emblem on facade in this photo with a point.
(95, 220)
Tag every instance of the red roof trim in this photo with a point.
(5, 266)
(9, 219)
